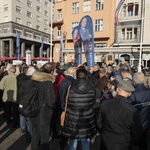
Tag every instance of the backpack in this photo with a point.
(29, 105)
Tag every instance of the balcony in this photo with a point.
(129, 18)
(127, 41)
(56, 22)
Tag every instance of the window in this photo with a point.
(38, 0)
(38, 8)
(46, 3)
(99, 4)
(6, 7)
(29, 3)
(74, 24)
(124, 11)
(99, 25)
(6, 30)
(98, 45)
(123, 34)
(37, 37)
(75, 8)
(46, 22)
(136, 9)
(17, 30)
(38, 18)
(86, 5)
(18, 9)
(29, 24)
(130, 9)
(18, 20)
(59, 14)
(58, 32)
(5, 18)
(19, 0)
(135, 33)
(37, 27)
(29, 14)
(28, 34)
(129, 33)
(46, 13)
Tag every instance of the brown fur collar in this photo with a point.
(42, 76)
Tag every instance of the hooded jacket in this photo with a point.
(46, 96)
(80, 119)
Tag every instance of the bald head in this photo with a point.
(139, 78)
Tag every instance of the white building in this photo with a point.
(31, 19)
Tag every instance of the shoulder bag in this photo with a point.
(63, 114)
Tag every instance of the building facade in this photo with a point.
(68, 14)
(126, 38)
(29, 18)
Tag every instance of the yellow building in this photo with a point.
(67, 15)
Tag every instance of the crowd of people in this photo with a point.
(107, 105)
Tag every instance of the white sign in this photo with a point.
(41, 62)
(28, 59)
(17, 62)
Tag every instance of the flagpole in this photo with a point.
(141, 39)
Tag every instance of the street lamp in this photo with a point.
(141, 40)
(51, 31)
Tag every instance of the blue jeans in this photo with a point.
(84, 142)
(29, 130)
(26, 124)
(22, 122)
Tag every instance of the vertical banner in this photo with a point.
(61, 47)
(77, 45)
(18, 45)
(87, 38)
(42, 46)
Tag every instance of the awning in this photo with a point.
(4, 58)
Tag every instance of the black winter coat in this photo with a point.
(119, 123)
(80, 119)
(46, 97)
(21, 85)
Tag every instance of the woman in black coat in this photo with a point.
(80, 117)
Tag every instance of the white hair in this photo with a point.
(30, 71)
(139, 77)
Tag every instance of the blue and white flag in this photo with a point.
(18, 45)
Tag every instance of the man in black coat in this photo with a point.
(118, 121)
